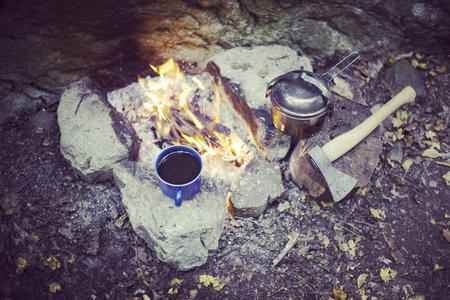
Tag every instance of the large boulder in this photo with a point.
(94, 136)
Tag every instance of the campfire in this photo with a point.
(181, 109)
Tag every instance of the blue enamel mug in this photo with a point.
(179, 171)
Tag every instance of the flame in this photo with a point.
(169, 105)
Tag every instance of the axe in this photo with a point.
(319, 160)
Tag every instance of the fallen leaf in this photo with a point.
(378, 214)
(33, 237)
(283, 206)
(172, 291)
(446, 234)
(325, 241)
(442, 69)
(361, 279)
(414, 63)
(433, 221)
(52, 262)
(193, 294)
(419, 56)
(430, 134)
(396, 122)
(71, 260)
(387, 274)
(407, 164)
(54, 287)
(21, 264)
(352, 247)
(440, 125)
(146, 297)
(447, 178)
(175, 281)
(208, 279)
(433, 183)
(431, 153)
(339, 294)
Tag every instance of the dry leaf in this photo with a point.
(378, 214)
(433, 183)
(283, 206)
(419, 56)
(34, 237)
(446, 234)
(339, 294)
(396, 122)
(442, 69)
(21, 264)
(387, 274)
(430, 134)
(54, 287)
(71, 260)
(440, 125)
(431, 153)
(208, 279)
(175, 281)
(414, 63)
(193, 294)
(172, 291)
(52, 262)
(447, 178)
(361, 279)
(325, 241)
(407, 164)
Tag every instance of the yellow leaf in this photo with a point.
(409, 141)
(172, 291)
(325, 241)
(447, 178)
(208, 279)
(433, 221)
(440, 125)
(387, 274)
(396, 122)
(21, 264)
(419, 56)
(378, 214)
(71, 260)
(432, 73)
(175, 281)
(430, 134)
(427, 126)
(423, 65)
(392, 59)
(33, 237)
(437, 267)
(146, 297)
(414, 63)
(442, 69)
(52, 262)
(193, 294)
(352, 247)
(431, 153)
(339, 294)
(54, 287)
(219, 287)
(361, 279)
(407, 164)
(326, 204)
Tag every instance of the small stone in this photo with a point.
(259, 185)
(396, 153)
(405, 75)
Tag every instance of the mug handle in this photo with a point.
(178, 197)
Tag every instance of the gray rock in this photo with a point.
(259, 185)
(94, 137)
(180, 236)
(43, 119)
(406, 75)
(252, 70)
(396, 153)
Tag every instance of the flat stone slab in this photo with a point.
(94, 136)
(259, 185)
(180, 236)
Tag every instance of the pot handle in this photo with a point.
(335, 71)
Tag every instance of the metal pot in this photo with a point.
(301, 99)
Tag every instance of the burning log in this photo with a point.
(270, 142)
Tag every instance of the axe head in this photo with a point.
(339, 183)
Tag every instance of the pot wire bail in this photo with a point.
(335, 71)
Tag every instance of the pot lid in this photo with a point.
(300, 94)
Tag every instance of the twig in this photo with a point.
(286, 249)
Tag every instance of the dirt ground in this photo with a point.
(62, 238)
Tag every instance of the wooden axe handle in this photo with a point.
(345, 142)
